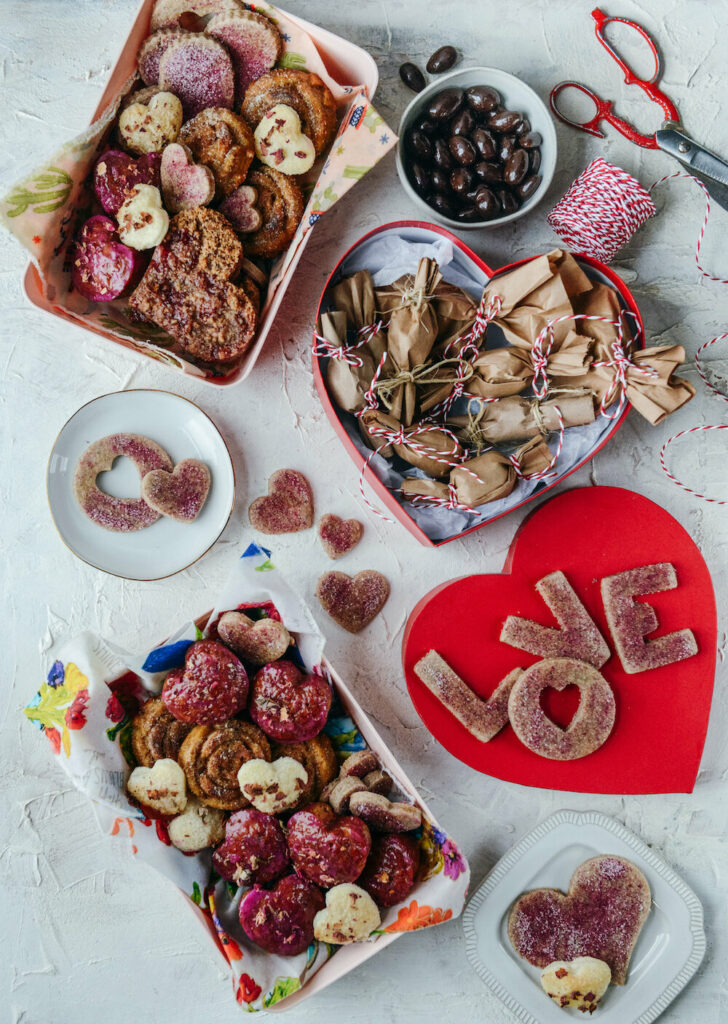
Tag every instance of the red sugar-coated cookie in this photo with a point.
(212, 687)
(391, 869)
(630, 621)
(254, 850)
(325, 848)
(118, 514)
(578, 636)
(288, 705)
(180, 494)
(353, 601)
(287, 507)
(602, 916)
(102, 267)
(153, 49)
(338, 536)
(116, 173)
(592, 721)
(254, 43)
(198, 70)
(483, 718)
(280, 920)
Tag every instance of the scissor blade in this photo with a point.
(706, 166)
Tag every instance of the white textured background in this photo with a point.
(84, 930)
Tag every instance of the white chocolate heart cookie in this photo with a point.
(197, 828)
(350, 915)
(185, 184)
(580, 982)
(149, 127)
(163, 787)
(142, 220)
(272, 787)
(280, 143)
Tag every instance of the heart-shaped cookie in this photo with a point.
(280, 143)
(149, 127)
(338, 536)
(350, 915)
(325, 848)
(580, 983)
(116, 174)
(353, 601)
(258, 642)
(661, 715)
(280, 920)
(187, 289)
(102, 267)
(185, 184)
(384, 815)
(161, 788)
(222, 141)
(601, 916)
(180, 494)
(142, 220)
(212, 686)
(287, 507)
(241, 211)
(275, 786)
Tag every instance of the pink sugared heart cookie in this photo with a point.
(280, 920)
(212, 686)
(241, 211)
(288, 705)
(353, 602)
(180, 494)
(339, 535)
(185, 184)
(601, 916)
(325, 848)
(287, 507)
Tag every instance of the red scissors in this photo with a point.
(604, 107)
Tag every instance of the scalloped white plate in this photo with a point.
(669, 950)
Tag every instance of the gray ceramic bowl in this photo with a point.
(516, 96)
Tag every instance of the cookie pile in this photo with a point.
(233, 755)
(200, 185)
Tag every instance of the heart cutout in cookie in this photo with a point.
(287, 507)
(601, 916)
(338, 536)
(180, 494)
(353, 601)
(185, 184)
(662, 715)
(280, 142)
(258, 642)
(149, 127)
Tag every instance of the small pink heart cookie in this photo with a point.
(287, 507)
(185, 184)
(180, 494)
(339, 535)
(353, 602)
(241, 211)
(258, 642)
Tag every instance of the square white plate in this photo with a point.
(668, 951)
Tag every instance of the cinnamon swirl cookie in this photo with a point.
(223, 142)
(318, 758)
(156, 734)
(301, 90)
(212, 756)
(280, 202)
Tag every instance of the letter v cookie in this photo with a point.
(482, 718)
(578, 636)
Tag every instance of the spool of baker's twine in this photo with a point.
(600, 213)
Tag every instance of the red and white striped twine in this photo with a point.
(682, 433)
(323, 347)
(699, 366)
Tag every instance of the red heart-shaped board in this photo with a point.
(662, 714)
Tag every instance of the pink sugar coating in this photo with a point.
(180, 494)
(483, 718)
(591, 724)
(288, 506)
(629, 621)
(288, 705)
(153, 49)
(199, 72)
(118, 514)
(253, 43)
(338, 535)
(353, 602)
(254, 849)
(212, 687)
(602, 916)
(578, 636)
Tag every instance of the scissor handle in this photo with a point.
(603, 112)
(648, 85)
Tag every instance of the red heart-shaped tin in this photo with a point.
(662, 714)
(420, 231)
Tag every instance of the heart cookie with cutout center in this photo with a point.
(180, 494)
(353, 601)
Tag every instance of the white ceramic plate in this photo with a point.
(185, 432)
(668, 951)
